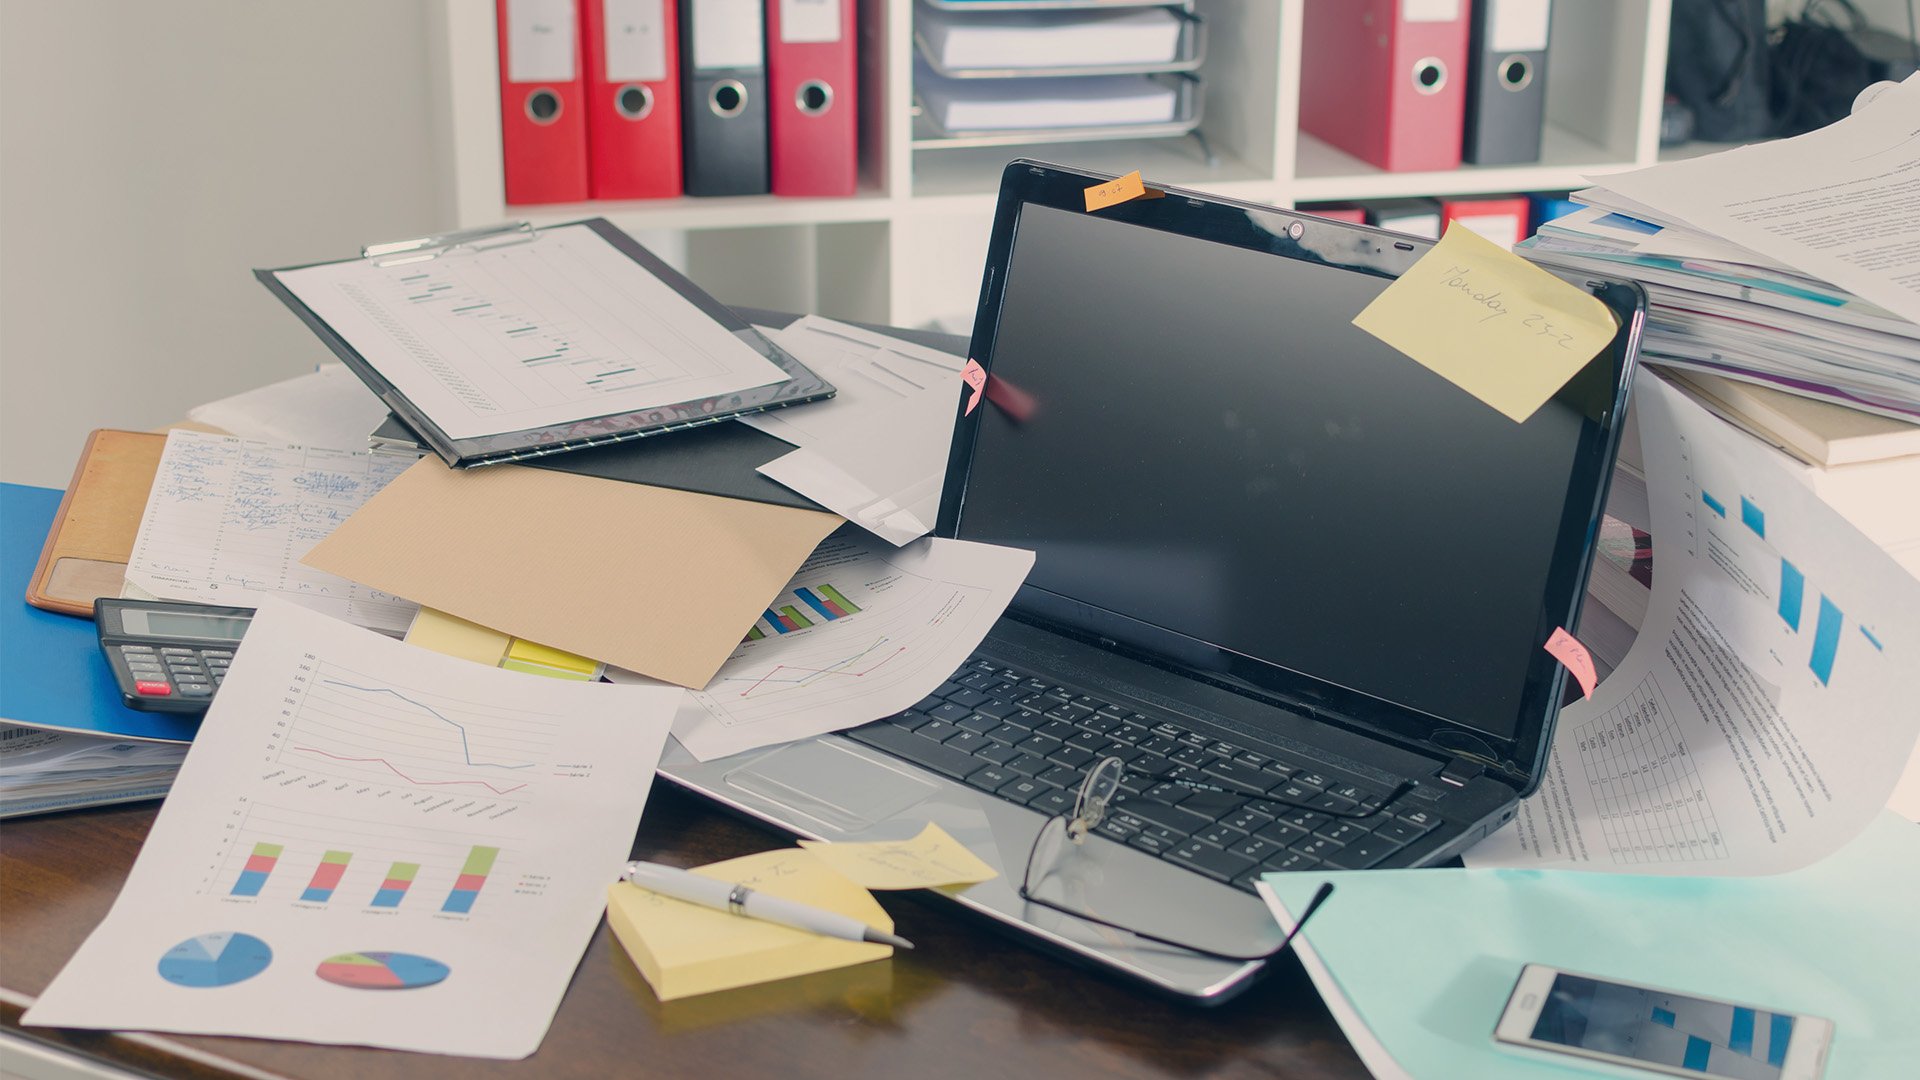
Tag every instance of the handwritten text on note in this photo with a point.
(1490, 322)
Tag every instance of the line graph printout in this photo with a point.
(524, 335)
(862, 631)
(348, 792)
(1765, 713)
(229, 519)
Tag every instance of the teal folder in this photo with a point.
(1427, 957)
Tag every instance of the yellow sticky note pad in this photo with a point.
(1490, 322)
(929, 860)
(440, 632)
(1116, 191)
(684, 949)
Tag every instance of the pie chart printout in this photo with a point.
(215, 960)
(381, 970)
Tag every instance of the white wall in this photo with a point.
(153, 152)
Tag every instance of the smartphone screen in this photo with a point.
(1708, 1038)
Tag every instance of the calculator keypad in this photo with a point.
(172, 671)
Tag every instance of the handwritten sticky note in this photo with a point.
(1114, 192)
(684, 949)
(1568, 650)
(931, 859)
(1490, 322)
(976, 377)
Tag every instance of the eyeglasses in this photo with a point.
(1097, 793)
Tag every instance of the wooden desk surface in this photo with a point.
(967, 1002)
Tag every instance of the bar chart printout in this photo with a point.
(326, 877)
(259, 865)
(364, 871)
(394, 888)
(472, 876)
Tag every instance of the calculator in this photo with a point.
(168, 656)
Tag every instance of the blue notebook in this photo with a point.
(51, 672)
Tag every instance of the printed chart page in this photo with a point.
(1766, 711)
(524, 335)
(229, 520)
(862, 631)
(373, 844)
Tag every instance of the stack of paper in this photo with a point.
(963, 105)
(53, 770)
(1789, 264)
(1048, 39)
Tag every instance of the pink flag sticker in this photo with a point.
(976, 377)
(1574, 655)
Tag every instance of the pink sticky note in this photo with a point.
(1566, 649)
(976, 377)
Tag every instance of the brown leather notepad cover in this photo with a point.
(92, 536)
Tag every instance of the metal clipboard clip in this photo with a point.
(399, 252)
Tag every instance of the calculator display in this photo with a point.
(177, 624)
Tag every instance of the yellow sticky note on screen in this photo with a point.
(931, 859)
(1490, 322)
(1123, 189)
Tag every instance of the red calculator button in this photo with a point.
(157, 689)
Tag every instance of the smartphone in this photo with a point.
(1660, 1031)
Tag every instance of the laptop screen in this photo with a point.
(1200, 445)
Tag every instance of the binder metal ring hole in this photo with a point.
(1515, 73)
(543, 106)
(633, 101)
(1429, 75)
(814, 97)
(727, 98)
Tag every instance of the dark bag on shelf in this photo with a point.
(1717, 67)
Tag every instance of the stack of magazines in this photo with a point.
(43, 770)
(1720, 309)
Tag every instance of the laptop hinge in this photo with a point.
(1460, 770)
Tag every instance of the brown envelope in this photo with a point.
(657, 581)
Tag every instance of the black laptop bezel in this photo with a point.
(1520, 759)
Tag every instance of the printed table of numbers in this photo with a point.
(1653, 806)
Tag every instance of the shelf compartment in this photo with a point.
(1326, 174)
(1189, 51)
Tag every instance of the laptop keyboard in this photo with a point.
(1188, 797)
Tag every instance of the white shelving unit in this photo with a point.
(908, 247)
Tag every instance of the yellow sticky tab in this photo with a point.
(571, 664)
(929, 860)
(1113, 192)
(1490, 322)
(440, 632)
(685, 949)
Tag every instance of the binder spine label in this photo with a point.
(636, 40)
(540, 41)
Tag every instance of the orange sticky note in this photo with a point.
(1566, 649)
(976, 377)
(1114, 192)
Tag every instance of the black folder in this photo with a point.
(1506, 82)
(723, 97)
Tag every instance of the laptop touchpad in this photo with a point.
(831, 784)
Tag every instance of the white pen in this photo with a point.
(740, 900)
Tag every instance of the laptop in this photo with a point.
(1296, 581)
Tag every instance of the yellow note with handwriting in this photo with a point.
(685, 949)
(1490, 322)
(929, 860)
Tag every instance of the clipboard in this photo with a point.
(93, 532)
(801, 385)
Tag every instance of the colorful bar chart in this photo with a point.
(1826, 640)
(1793, 587)
(394, 889)
(473, 875)
(828, 602)
(326, 877)
(819, 603)
(259, 865)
